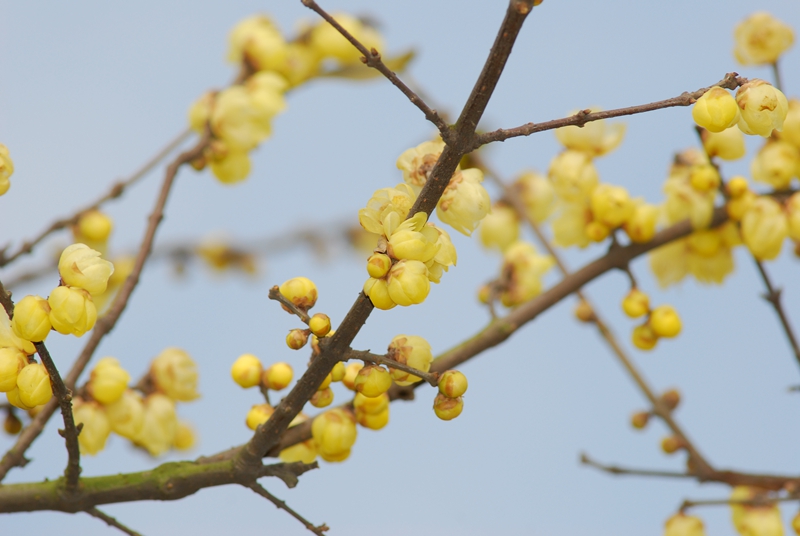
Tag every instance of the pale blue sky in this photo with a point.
(90, 90)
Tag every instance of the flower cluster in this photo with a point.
(660, 322)
(145, 414)
(449, 402)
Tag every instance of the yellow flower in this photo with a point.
(371, 405)
(15, 400)
(664, 321)
(573, 175)
(716, 110)
(6, 169)
(72, 310)
(305, 452)
(258, 415)
(322, 398)
(278, 376)
(761, 39)
(32, 319)
(537, 194)
(764, 228)
(377, 290)
(641, 227)
(378, 265)
(327, 42)
(447, 408)
(569, 226)
(707, 255)
(108, 381)
(500, 228)
(791, 126)
(242, 116)
(320, 324)
(611, 205)
(301, 63)
(159, 426)
(12, 361)
(372, 381)
(334, 433)
(727, 145)
(412, 351)
(763, 107)
(81, 266)
(229, 166)
(453, 384)
(301, 291)
(407, 283)
(636, 303)
(683, 200)
(525, 268)
(297, 338)
(683, 525)
(246, 371)
(704, 178)
(126, 415)
(776, 163)
(792, 215)
(413, 240)
(446, 255)
(643, 337)
(174, 373)
(34, 386)
(465, 201)
(418, 162)
(96, 426)
(200, 111)
(93, 226)
(185, 437)
(595, 138)
(9, 339)
(257, 41)
(373, 421)
(387, 203)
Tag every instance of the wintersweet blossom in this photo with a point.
(763, 107)
(761, 39)
(81, 266)
(175, 374)
(595, 138)
(465, 201)
(413, 351)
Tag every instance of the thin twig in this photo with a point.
(617, 470)
(372, 58)
(757, 501)
(773, 296)
(776, 73)
(318, 530)
(110, 521)
(115, 191)
(731, 81)
(275, 294)
(70, 433)
(365, 355)
(16, 455)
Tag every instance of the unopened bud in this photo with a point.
(350, 373)
(447, 408)
(671, 399)
(453, 384)
(337, 374)
(320, 324)
(322, 398)
(636, 303)
(297, 338)
(277, 377)
(584, 312)
(671, 444)
(640, 419)
(12, 425)
(372, 381)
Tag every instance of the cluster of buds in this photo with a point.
(145, 414)
(247, 371)
(449, 401)
(334, 433)
(758, 109)
(6, 169)
(669, 400)
(761, 517)
(662, 321)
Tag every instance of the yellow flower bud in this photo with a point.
(12, 425)
(81, 266)
(258, 414)
(761, 521)
(727, 145)
(447, 408)
(760, 39)
(611, 205)
(377, 290)
(96, 426)
(371, 406)
(305, 452)
(684, 525)
(319, 324)
(185, 437)
(350, 373)
(664, 321)
(704, 178)
(174, 373)
(776, 163)
(6, 169)
(641, 227)
(764, 228)
(640, 419)
(763, 107)
(372, 381)
(334, 432)
(246, 370)
(278, 376)
(636, 303)
(453, 384)
(72, 310)
(9, 339)
(597, 231)
(737, 187)
(500, 228)
(338, 372)
(160, 424)
(322, 398)
(465, 201)
(327, 42)
(644, 338)
(378, 265)
(537, 195)
(671, 399)
(413, 351)
(407, 283)
(739, 206)
(715, 110)
(525, 268)
(231, 166)
(257, 41)
(108, 381)
(791, 126)
(573, 175)
(32, 319)
(297, 338)
(413, 240)
(12, 360)
(126, 415)
(373, 421)
(301, 291)
(792, 217)
(584, 312)
(94, 226)
(34, 385)
(15, 400)
(595, 138)
(671, 445)
(200, 111)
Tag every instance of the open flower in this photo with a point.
(761, 39)
(465, 201)
(81, 266)
(175, 374)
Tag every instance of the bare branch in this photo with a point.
(773, 296)
(110, 521)
(731, 81)
(756, 501)
(275, 294)
(280, 504)
(616, 470)
(365, 355)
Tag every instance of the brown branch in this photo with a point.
(731, 81)
(111, 522)
(365, 355)
(275, 294)
(773, 296)
(70, 433)
(280, 504)
(616, 470)
(372, 58)
(115, 191)
(757, 501)
(16, 455)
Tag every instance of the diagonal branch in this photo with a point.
(372, 58)
(430, 377)
(280, 504)
(110, 521)
(773, 296)
(731, 81)
(617, 470)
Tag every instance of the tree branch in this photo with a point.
(731, 81)
(365, 355)
(110, 521)
(275, 294)
(280, 504)
(773, 296)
